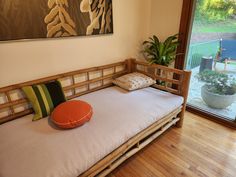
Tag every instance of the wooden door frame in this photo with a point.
(184, 31)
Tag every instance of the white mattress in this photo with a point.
(38, 149)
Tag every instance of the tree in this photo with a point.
(215, 10)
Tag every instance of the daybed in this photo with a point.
(123, 122)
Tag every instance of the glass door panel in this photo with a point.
(212, 58)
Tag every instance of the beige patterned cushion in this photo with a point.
(134, 81)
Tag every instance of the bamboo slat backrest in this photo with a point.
(13, 103)
(168, 79)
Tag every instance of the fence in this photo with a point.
(198, 50)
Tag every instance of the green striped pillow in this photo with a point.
(44, 98)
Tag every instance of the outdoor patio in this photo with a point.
(195, 98)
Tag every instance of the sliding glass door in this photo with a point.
(212, 59)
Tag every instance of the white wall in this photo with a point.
(134, 21)
(23, 61)
(165, 17)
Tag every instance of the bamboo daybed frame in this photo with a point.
(9, 106)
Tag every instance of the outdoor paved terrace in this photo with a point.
(195, 98)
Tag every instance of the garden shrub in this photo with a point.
(215, 10)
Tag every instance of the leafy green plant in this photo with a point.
(215, 10)
(162, 53)
(218, 83)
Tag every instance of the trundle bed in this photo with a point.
(122, 124)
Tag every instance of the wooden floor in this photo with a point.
(200, 148)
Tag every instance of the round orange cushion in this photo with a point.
(71, 114)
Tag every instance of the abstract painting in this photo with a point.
(32, 19)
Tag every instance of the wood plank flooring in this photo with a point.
(201, 148)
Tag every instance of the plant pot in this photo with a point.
(215, 100)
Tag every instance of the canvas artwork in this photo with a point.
(32, 19)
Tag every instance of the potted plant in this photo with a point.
(162, 53)
(219, 90)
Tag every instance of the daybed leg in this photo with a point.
(185, 89)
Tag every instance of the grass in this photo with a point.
(227, 26)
